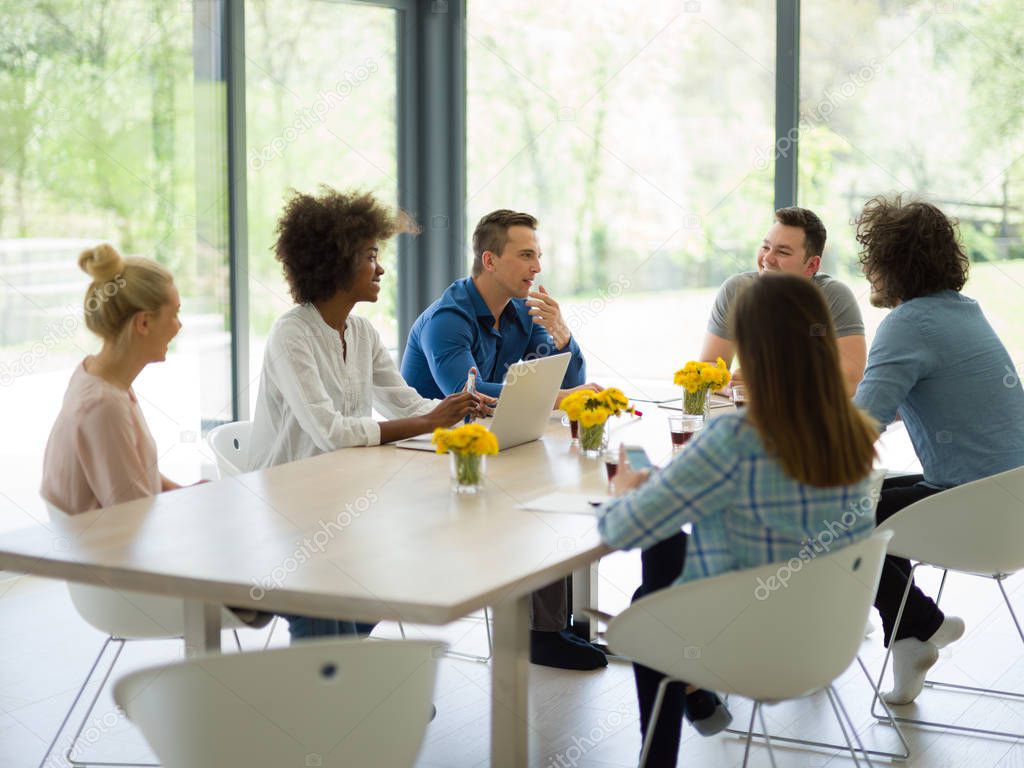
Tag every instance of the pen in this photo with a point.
(471, 389)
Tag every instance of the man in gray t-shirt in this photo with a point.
(793, 244)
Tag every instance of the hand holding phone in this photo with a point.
(471, 389)
(637, 458)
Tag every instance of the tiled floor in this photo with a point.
(582, 720)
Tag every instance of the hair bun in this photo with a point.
(102, 263)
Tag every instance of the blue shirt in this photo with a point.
(745, 510)
(937, 362)
(456, 332)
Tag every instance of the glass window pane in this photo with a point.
(97, 144)
(320, 103)
(639, 141)
(921, 99)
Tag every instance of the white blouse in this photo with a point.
(313, 400)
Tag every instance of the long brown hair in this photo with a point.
(798, 400)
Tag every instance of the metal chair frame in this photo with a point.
(998, 578)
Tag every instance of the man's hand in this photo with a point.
(547, 314)
(626, 479)
(581, 388)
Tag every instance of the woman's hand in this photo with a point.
(454, 408)
(626, 478)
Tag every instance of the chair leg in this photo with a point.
(767, 738)
(830, 693)
(270, 634)
(490, 644)
(1006, 598)
(652, 723)
(78, 696)
(888, 651)
(853, 727)
(750, 733)
(954, 686)
(833, 746)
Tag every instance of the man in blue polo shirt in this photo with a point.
(489, 320)
(937, 364)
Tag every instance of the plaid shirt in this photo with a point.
(744, 509)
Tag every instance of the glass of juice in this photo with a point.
(611, 464)
(739, 395)
(683, 428)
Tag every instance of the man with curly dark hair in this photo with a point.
(325, 370)
(936, 363)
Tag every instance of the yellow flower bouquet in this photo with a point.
(591, 410)
(698, 379)
(467, 445)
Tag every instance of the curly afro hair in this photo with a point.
(319, 238)
(909, 249)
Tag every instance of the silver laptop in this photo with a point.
(525, 404)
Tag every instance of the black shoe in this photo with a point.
(707, 713)
(564, 650)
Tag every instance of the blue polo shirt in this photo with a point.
(937, 362)
(456, 332)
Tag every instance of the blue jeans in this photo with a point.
(304, 627)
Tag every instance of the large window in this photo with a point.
(923, 99)
(637, 135)
(98, 144)
(320, 103)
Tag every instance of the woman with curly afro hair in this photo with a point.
(937, 363)
(325, 370)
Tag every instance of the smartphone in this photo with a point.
(637, 457)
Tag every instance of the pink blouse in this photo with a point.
(100, 451)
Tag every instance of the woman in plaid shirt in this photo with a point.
(789, 476)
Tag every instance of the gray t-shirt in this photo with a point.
(839, 298)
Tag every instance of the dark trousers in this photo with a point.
(307, 627)
(921, 616)
(662, 565)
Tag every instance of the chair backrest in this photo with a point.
(774, 632)
(126, 614)
(976, 527)
(325, 703)
(230, 444)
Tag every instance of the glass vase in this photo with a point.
(698, 403)
(593, 441)
(468, 470)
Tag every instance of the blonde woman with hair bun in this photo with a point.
(100, 450)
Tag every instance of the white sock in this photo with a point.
(911, 660)
(951, 630)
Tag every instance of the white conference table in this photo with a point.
(364, 534)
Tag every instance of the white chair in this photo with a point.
(230, 445)
(726, 634)
(976, 528)
(328, 703)
(123, 616)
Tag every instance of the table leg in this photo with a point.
(584, 595)
(202, 628)
(509, 684)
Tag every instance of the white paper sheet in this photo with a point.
(566, 503)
